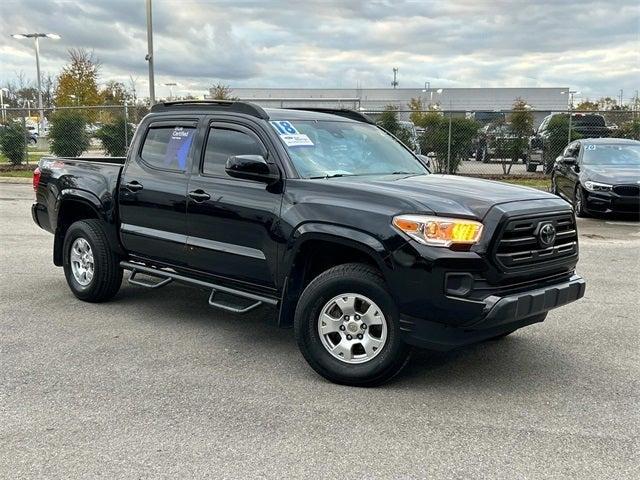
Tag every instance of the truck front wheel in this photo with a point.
(91, 268)
(347, 327)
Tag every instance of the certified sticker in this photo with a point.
(591, 147)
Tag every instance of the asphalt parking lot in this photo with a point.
(156, 384)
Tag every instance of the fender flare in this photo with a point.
(93, 202)
(346, 236)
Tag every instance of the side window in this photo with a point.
(572, 150)
(223, 143)
(167, 147)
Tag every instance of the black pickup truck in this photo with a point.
(320, 214)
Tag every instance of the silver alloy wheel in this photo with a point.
(82, 261)
(352, 328)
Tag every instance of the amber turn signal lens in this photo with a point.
(439, 231)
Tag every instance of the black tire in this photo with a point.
(531, 168)
(578, 203)
(358, 279)
(107, 276)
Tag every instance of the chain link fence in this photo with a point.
(479, 143)
(94, 131)
(494, 143)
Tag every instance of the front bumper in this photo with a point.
(609, 202)
(500, 315)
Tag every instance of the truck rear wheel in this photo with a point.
(90, 266)
(347, 327)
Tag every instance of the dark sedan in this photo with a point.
(599, 175)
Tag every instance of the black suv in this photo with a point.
(543, 144)
(320, 214)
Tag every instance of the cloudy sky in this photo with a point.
(591, 46)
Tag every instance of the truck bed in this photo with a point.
(92, 179)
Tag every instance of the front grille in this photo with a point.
(519, 246)
(627, 190)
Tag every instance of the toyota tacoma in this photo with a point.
(323, 216)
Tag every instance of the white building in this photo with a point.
(371, 99)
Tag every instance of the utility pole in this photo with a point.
(449, 140)
(36, 43)
(394, 84)
(621, 92)
(149, 57)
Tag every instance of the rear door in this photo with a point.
(153, 191)
(232, 222)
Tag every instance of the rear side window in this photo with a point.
(223, 143)
(168, 147)
(582, 120)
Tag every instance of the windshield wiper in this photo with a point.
(334, 175)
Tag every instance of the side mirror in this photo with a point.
(252, 167)
(426, 161)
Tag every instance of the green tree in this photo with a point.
(13, 142)
(557, 140)
(221, 92)
(114, 137)
(587, 105)
(521, 125)
(115, 93)
(77, 84)
(389, 121)
(67, 134)
(435, 140)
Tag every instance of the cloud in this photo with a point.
(590, 45)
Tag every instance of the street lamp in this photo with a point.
(170, 85)
(571, 94)
(4, 113)
(36, 37)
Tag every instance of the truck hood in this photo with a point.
(443, 194)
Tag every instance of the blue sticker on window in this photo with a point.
(591, 147)
(178, 147)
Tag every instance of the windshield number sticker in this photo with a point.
(591, 147)
(290, 136)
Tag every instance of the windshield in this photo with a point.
(611, 155)
(321, 149)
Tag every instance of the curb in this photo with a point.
(15, 180)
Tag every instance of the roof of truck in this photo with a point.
(247, 108)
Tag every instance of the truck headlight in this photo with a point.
(597, 187)
(439, 231)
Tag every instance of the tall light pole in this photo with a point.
(4, 113)
(170, 85)
(571, 94)
(394, 84)
(149, 57)
(36, 43)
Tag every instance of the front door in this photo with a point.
(153, 192)
(232, 222)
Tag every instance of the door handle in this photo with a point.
(133, 186)
(199, 196)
